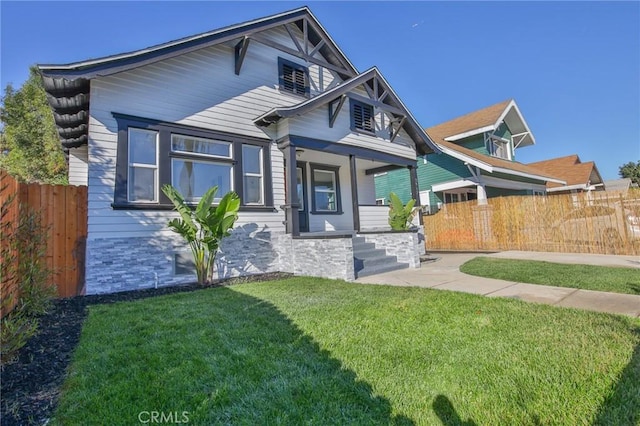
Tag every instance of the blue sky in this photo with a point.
(572, 67)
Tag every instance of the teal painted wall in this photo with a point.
(501, 192)
(475, 143)
(439, 168)
(397, 181)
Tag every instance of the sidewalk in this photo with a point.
(444, 274)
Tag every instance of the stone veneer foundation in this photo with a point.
(120, 264)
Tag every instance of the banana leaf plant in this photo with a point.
(401, 216)
(204, 227)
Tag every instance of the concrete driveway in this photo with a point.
(444, 274)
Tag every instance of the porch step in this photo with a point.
(369, 260)
(379, 269)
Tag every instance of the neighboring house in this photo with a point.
(579, 176)
(477, 161)
(271, 109)
(621, 186)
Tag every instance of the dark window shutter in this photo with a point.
(363, 117)
(288, 77)
(293, 78)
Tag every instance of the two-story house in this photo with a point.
(477, 161)
(271, 109)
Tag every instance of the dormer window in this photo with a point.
(362, 117)
(499, 147)
(294, 77)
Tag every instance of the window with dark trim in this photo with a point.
(142, 184)
(293, 77)
(362, 118)
(325, 189)
(152, 153)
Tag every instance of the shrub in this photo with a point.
(25, 278)
(204, 227)
(400, 216)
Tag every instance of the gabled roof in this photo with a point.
(621, 185)
(494, 164)
(575, 173)
(486, 120)
(477, 122)
(392, 100)
(68, 85)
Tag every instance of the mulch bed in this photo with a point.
(31, 384)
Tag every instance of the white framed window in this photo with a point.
(201, 146)
(499, 147)
(196, 166)
(380, 201)
(192, 178)
(253, 175)
(325, 188)
(142, 181)
(458, 196)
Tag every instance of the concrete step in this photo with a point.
(379, 269)
(378, 260)
(369, 253)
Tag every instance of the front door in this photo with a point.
(301, 187)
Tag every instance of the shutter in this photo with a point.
(294, 79)
(288, 77)
(367, 118)
(300, 86)
(363, 117)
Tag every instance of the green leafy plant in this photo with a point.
(204, 227)
(401, 216)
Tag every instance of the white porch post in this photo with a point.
(482, 194)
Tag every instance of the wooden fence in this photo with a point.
(600, 222)
(63, 212)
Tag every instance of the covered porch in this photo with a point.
(331, 189)
(333, 224)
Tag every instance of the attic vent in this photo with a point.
(293, 78)
(362, 116)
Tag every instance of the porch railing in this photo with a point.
(374, 218)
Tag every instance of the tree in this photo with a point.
(29, 144)
(631, 170)
(204, 227)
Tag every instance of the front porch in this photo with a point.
(334, 227)
(347, 256)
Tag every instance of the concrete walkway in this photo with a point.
(444, 274)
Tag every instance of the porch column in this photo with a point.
(354, 193)
(482, 194)
(415, 192)
(292, 204)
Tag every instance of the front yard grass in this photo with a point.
(315, 351)
(587, 277)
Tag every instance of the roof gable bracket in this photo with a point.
(262, 40)
(522, 136)
(293, 38)
(333, 113)
(317, 48)
(395, 131)
(377, 104)
(241, 52)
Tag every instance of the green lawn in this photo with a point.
(314, 351)
(588, 277)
